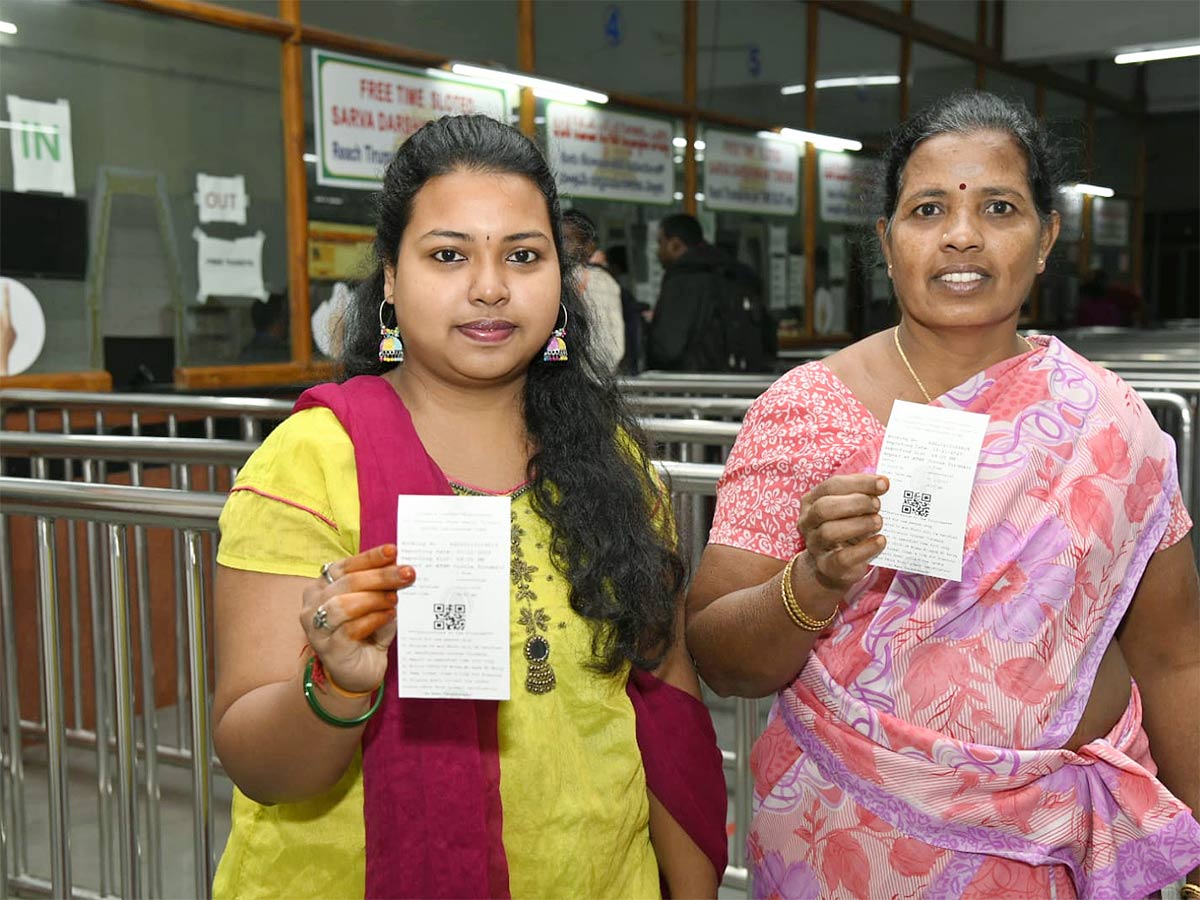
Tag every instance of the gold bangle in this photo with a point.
(1189, 890)
(799, 617)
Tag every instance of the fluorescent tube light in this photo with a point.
(8, 28)
(26, 126)
(851, 81)
(820, 141)
(1141, 56)
(310, 157)
(1094, 189)
(542, 87)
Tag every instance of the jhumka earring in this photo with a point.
(556, 347)
(391, 349)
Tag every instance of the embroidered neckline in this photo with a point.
(460, 488)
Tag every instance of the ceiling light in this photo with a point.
(1141, 56)
(820, 141)
(1094, 189)
(542, 87)
(8, 28)
(310, 157)
(679, 142)
(27, 126)
(699, 145)
(851, 81)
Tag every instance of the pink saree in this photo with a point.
(917, 752)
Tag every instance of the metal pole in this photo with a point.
(118, 553)
(73, 587)
(201, 742)
(56, 763)
(179, 480)
(149, 701)
(745, 725)
(100, 691)
(15, 770)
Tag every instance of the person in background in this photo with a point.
(1030, 730)
(710, 316)
(635, 313)
(601, 774)
(600, 291)
(270, 340)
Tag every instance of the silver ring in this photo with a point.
(325, 573)
(321, 619)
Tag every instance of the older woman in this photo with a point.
(981, 737)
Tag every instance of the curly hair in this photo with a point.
(590, 473)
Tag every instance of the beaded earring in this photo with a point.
(391, 348)
(556, 347)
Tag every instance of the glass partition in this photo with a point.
(175, 144)
(748, 53)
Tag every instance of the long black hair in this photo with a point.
(590, 475)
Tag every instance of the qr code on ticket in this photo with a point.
(916, 504)
(449, 617)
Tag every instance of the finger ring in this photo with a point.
(321, 619)
(326, 574)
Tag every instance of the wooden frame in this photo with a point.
(295, 36)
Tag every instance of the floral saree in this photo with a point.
(918, 752)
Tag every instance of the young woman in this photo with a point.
(596, 777)
(981, 737)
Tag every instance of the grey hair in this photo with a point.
(969, 112)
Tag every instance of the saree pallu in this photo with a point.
(918, 751)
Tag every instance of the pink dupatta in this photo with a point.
(431, 768)
(939, 708)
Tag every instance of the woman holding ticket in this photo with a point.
(997, 704)
(356, 703)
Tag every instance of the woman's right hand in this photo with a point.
(840, 522)
(359, 621)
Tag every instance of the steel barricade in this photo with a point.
(132, 781)
(114, 509)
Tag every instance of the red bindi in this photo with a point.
(962, 187)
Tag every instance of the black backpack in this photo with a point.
(746, 329)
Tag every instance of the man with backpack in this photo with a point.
(710, 315)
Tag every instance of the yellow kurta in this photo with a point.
(571, 781)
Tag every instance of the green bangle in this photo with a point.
(324, 715)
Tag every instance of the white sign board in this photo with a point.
(40, 138)
(221, 199)
(744, 173)
(365, 109)
(1110, 222)
(610, 156)
(22, 327)
(846, 182)
(229, 268)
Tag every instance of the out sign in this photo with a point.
(221, 198)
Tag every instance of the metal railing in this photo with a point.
(1172, 396)
(112, 510)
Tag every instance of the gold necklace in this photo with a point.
(908, 365)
